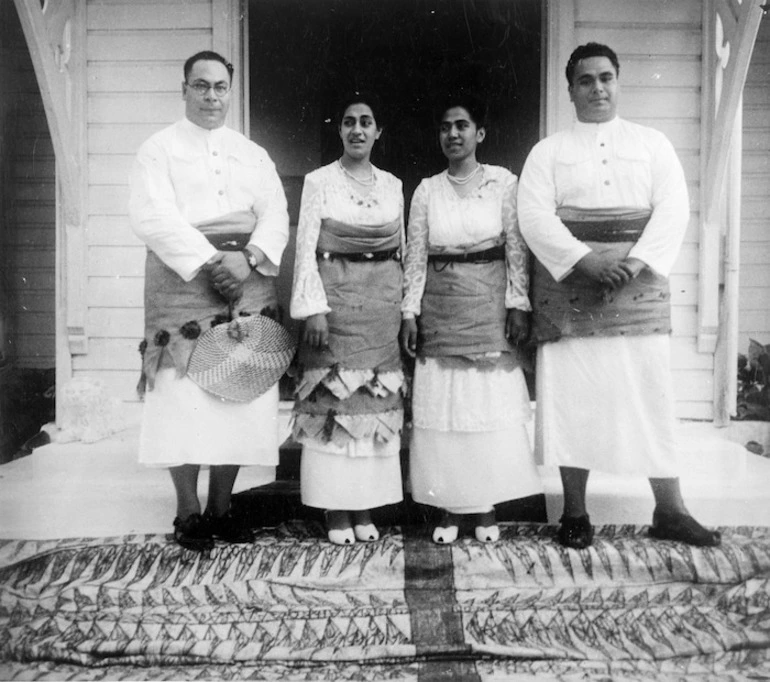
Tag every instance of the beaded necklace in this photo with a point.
(366, 183)
(464, 180)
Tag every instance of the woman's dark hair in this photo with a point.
(207, 56)
(470, 101)
(590, 50)
(359, 97)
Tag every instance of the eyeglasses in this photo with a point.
(202, 87)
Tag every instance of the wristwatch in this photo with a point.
(251, 259)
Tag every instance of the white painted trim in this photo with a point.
(558, 41)
(228, 22)
(740, 23)
(708, 238)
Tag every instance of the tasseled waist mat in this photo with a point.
(353, 389)
(579, 307)
(177, 312)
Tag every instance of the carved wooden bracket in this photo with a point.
(734, 27)
(55, 34)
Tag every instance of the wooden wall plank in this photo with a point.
(658, 11)
(113, 355)
(146, 46)
(110, 169)
(642, 39)
(116, 322)
(135, 77)
(108, 200)
(120, 138)
(126, 261)
(663, 103)
(131, 16)
(135, 108)
(106, 230)
(105, 292)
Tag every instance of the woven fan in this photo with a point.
(242, 359)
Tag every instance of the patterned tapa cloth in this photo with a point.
(292, 606)
(579, 307)
(177, 312)
(353, 389)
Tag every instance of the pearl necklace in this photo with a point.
(365, 183)
(467, 178)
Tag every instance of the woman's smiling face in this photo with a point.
(458, 134)
(358, 131)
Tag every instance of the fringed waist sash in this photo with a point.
(463, 307)
(352, 389)
(176, 312)
(579, 307)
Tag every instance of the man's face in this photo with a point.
(207, 109)
(594, 90)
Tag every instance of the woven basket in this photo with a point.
(242, 359)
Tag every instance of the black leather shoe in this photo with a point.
(576, 531)
(192, 533)
(683, 528)
(227, 528)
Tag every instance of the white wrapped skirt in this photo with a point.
(470, 449)
(607, 404)
(182, 424)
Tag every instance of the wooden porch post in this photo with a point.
(55, 35)
(730, 29)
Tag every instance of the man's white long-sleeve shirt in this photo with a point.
(603, 165)
(185, 174)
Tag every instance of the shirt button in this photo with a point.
(604, 161)
(221, 191)
(218, 172)
(601, 144)
(606, 182)
(215, 153)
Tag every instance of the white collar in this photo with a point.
(195, 129)
(605, 127)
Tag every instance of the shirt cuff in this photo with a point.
(559, 272)
(189, 271)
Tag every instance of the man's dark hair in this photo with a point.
(591, 50)
(207, 56)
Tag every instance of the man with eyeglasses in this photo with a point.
(210, 207)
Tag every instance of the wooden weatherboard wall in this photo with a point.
(659, 45)
(754, 292)
(136, 50)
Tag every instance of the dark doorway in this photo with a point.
(304, 55)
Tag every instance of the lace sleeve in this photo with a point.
(308, 296)
(516, 252)
(416, 262)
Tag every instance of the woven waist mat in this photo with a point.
(463, 310)
(365, 317)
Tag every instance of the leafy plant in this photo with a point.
(754, 383)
